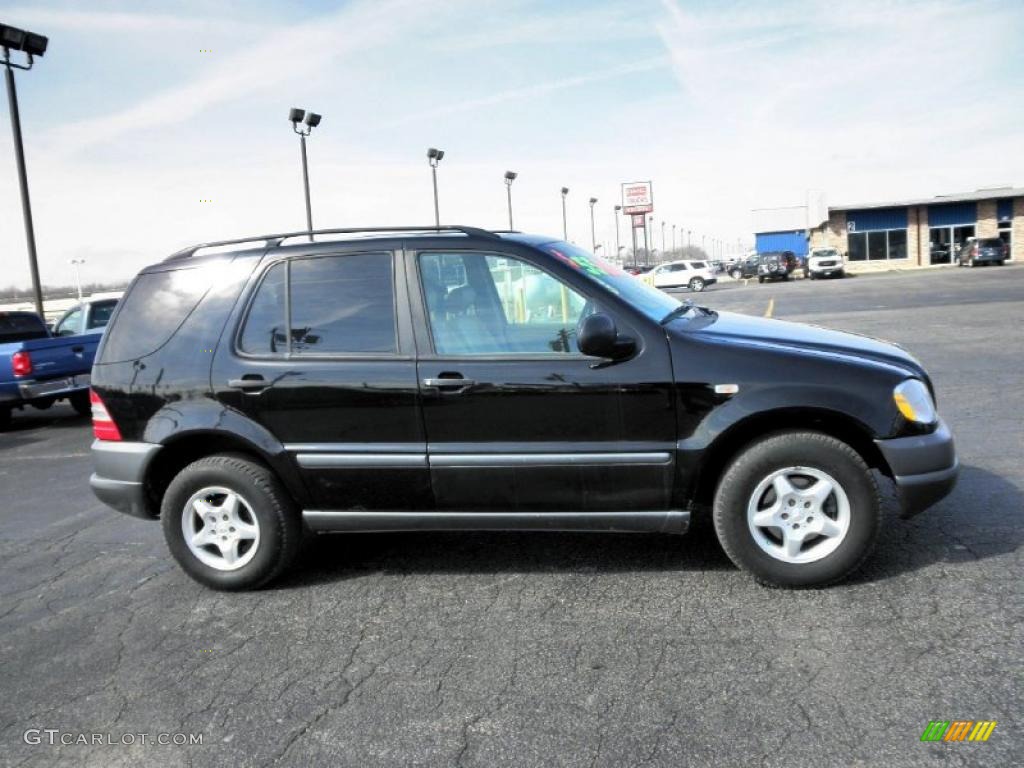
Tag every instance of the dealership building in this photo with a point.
(906, 233)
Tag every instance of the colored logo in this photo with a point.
(958, 730)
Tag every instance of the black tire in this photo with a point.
(1000, 263)
(696, 284)
(80, 402)
(814, 451)
(736, 274)
(44, 404)
(278, 518)
(5, 418)
(760, 278)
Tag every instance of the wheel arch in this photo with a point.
(180, 450)
(720, 453)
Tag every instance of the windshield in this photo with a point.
(825, 253)
(649, 300)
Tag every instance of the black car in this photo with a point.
(744, 267)
(454, 378)
(984, 250)
(776, 265)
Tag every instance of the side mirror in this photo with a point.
(598, 337)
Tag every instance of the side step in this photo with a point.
(671, 521)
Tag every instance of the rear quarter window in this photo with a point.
(153, 309)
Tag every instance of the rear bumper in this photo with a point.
(66, 385)
(120, 471)
(924, 467)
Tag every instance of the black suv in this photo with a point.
(776, 265)
(455, 378)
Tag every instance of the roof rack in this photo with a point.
(273, 241)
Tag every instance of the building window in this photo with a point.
(878, 245)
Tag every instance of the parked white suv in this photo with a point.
(825, 262)
(695, 275)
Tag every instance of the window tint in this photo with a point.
(20, 327)
(263, 333)
(484, 304)
(343, 305)
(70, 323)
(155, 306)
(100, 313)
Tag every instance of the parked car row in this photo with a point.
(39, 366)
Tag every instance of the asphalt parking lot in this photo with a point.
(544, 649)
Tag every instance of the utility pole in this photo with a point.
(33, 45)
(617, 246)
(434, 157)
(565, 228)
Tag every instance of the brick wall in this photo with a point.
(917, 236)
(987, 225)
(832, 234)
(1017, 229)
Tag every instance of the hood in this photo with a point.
(729, 327)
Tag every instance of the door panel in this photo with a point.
(529, 430)
(340, 388)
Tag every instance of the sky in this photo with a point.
(152, 125)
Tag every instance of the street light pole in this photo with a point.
(593, 236)
(565, 229)
(434, 156)
(618, 247)
(78, 276)
(673, 239)
(32, 44)
(663, 238)
(510, 176)
(311, 121)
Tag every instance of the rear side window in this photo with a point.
(154, 308)
(340, 305)
(20, 327)
(100, 312)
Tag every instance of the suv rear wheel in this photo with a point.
(229, 523)
(798, 509)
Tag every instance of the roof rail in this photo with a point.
(273, 241)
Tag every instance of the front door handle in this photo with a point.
(449, 383)
(248, 383)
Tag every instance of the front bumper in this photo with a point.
(120, 471)
(924, 467)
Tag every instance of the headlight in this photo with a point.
(915, 401)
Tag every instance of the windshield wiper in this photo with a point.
(686, 308)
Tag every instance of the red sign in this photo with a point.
(638, 221)
(637, 197)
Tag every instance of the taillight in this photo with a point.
(21, 362)
(103, 427)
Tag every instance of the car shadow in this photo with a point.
(979, 520)
(21, 431)
(336, 557)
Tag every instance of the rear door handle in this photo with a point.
(449, 383)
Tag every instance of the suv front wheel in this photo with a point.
(798, 509)
(229, 523)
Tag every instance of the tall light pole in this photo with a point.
(593, 236)
(673, 239)
(510, 176)
(650, 227)
(311, 120)
(76, 263)
(434, 156)
(32, 45)
(662, 238)
(618, 247)
(565, 229)
(688, 233)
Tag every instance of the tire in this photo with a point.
(1000, 263)
(852, 510)
(736, 274)
(44, 404)
(263, 510)
(760, 278)
(5, 418)
(80, 402)
(696, 284)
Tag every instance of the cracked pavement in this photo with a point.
(543, 649)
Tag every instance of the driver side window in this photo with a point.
(488, 304)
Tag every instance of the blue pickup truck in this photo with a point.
(38, 368)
